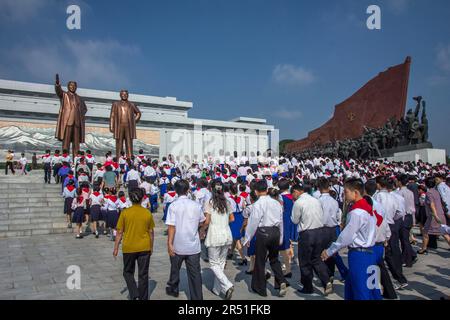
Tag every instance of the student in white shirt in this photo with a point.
(219, 214)
(133, 179)
(184, 217)
(308, 214)
(359, 235)
(47, 160)
(266, 221)
(23, 164)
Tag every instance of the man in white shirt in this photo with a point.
(47, 159)
(307, 213)
(390, 204)
(444, 191)
(409, 256)
(359, 235)
(331, 221)
(184, 218)
(382, 238)
(266, 221)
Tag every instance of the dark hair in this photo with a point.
(261, 185)
(323, 183)
(297, 187)
(403, 179)
(253, 196)
(218, 200)
(202, 183)
(283, 184)
(371, 187)
(355, 185)
(121, 194)
(430, 182)
(382, 181)
(242, 187)
(181, 187)
(136, 196)
(273, 193)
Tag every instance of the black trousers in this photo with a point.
(193, 272)
(139, 291)
(393, 255)
(47, 172)
(310, 246)
(408, 254)
(266, 246)
(329, 236)
(9, 164)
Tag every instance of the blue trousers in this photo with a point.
(153, 202)
(356, 284)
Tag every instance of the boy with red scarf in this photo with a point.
(359, 235)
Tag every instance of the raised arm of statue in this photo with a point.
(59, 91)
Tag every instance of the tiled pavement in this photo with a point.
(35, 268)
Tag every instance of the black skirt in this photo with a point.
(78, 215)
(95, 212)
(68, 205)
(112, 216)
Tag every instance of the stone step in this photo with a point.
(43, 205)
(25, 233)
(20, 202)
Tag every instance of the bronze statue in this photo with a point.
(122, 123)
(70, 125)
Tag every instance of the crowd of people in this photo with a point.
(257, 209)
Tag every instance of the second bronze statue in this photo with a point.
(122, 123)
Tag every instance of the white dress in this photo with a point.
(219, 232)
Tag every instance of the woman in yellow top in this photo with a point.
(135, 228)
(9, 162)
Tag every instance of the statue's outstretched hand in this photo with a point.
(57, 79)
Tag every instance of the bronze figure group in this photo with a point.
(70, 126)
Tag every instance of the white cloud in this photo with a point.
(292, 75)
(287, 114)
(90, 63)
(443, 58)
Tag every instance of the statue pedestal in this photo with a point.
(432, 156)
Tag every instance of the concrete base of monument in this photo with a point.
(429, 155)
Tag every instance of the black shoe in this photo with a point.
(288, 275)
(171, 292)
(268, 275)
(248, 272)
(229, 293)
(206, 260)
(415, 259)
(423, 252)
(230, 256)
(243, 262)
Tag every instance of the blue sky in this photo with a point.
(288, 61)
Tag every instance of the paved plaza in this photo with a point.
(35, 268)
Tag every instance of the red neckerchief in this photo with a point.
(113, 198)
(234, 176)
(268, 178)
(107, 196)
(57, 155)
(89, 156)
(85, 190)
(80, 199)
(145, 197)
(172, 193)
(115, 165)
(225, 176)
(288, 195)
(364, 205)
(96, 193)
(70, 176)
(64, 155)
(236, 199)
(141, 157)
(123, 199)
(70, 187)
(244, 194)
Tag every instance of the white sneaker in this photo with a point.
(283, 289)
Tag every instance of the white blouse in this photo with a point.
(219, 232)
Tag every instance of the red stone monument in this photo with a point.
(380, 99)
